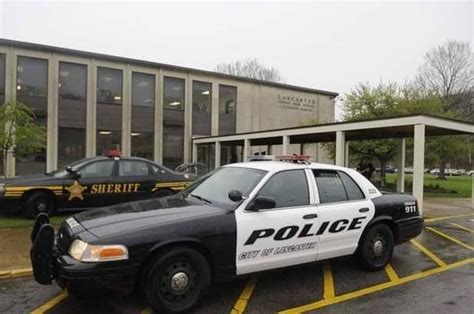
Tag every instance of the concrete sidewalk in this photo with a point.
(15, 244)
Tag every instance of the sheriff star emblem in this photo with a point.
(76, 190)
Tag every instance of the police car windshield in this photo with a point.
(215, 187)
(62, 172)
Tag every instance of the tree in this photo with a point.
(448, 71)
(21, 134)
(250, 68)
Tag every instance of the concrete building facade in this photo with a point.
(89, 103)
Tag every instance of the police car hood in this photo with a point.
(25, 180)
(136, 216)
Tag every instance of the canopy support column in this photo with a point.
(218, 155)
(340, 145)
(419, 164)
(246, 150)
(401, 166)
(346, 155)
(195, 153)
(286, 145)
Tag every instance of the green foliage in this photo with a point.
(20, 131)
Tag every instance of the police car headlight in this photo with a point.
(85, 252)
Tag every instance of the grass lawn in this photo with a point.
(8, 220)
(460, 186)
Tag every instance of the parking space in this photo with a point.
(432, 272)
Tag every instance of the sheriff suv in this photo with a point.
(90, 183)
(241, 218)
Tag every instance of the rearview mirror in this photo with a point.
(262, 202)
(236, 196)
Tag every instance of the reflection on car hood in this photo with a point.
(136, 216)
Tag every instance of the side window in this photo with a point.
(330, 186)
(352, 189)
(103, 168)
(132, 168)
(288, 188)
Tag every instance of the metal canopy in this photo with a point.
(417, 126)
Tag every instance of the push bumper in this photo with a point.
(409, 228)
(50, 264)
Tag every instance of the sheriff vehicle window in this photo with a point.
(129, 168)
(103, 168)
(288, 188)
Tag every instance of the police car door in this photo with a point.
(281, 236)
(344, 211)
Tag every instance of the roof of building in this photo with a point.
(106, 57)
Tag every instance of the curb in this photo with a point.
(15, 273)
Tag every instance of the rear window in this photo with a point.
(336, 186)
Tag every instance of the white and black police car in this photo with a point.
(239, 219)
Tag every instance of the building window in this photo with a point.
(202, 112)
(109, 110)
(32, 90)
(227, 109)
(143, 115)
(173, 121)
(72, 108)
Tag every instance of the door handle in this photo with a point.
(363, 210)
(310, 216)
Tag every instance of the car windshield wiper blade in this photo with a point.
(201, 198)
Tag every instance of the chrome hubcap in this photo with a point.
(41, 206)
(179, 281)
(378, 248)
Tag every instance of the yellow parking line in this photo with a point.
(51, 303)
(147, 310)
(328, 282)
(462, 227)
(447, 217)
(444, 235)
(391, 273)
(14, 273)
(241, 304)
(376, 288)
(428, 253)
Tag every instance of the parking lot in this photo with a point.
(432, 273)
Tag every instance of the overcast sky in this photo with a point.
(330, 46)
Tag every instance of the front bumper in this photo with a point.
(409, 228)
(50, 263)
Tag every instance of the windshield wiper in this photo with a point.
(201, 198)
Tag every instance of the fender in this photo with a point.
(183, 240)
(385, 218)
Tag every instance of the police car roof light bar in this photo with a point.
(294, 158)
(113, 153)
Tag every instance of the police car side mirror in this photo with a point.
(262, 202)
(236, 196)
(73, 173)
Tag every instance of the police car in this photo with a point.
(240, 219)
(91, 182)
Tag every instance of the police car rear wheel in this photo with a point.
(39, 202)
(176, 280)
(163, 193)
(376, 247)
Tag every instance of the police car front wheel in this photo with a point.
(376, 247)
(38, 202)
(176, 280)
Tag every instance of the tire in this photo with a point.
(176, 280)
(163, 193)
(376, 248)
(39, 202)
